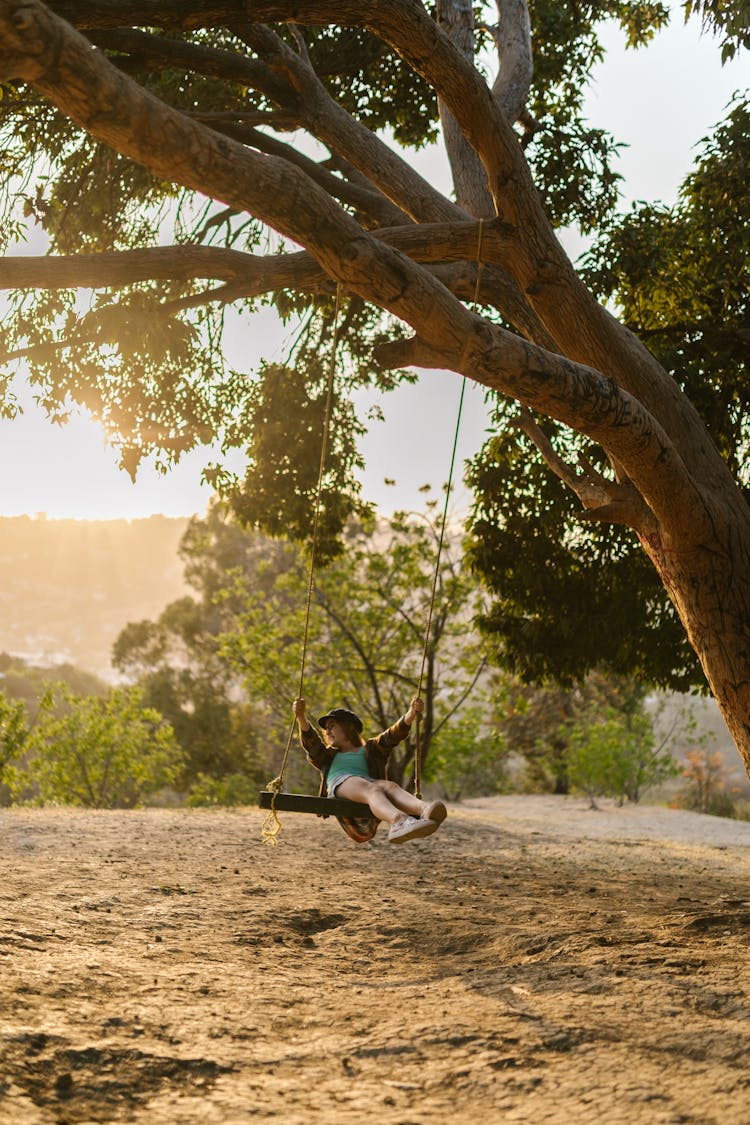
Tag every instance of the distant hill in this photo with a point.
(67, 587)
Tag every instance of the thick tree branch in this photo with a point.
(456, 18)
(337, 129)
(119, 268)
(430, 242)
(367, 200)
(613, 418)
(250, 275)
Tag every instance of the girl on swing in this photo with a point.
(355, 768)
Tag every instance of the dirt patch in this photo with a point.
(532, 962)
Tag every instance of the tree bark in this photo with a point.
(456, 17)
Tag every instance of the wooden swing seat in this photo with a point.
(323, 806)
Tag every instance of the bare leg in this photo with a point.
(413, 806)
(402, 799)
(387, 800)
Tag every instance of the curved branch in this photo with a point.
(159, 52)
(341, 624)
(463, 697)
(604, 500)
(456, 18)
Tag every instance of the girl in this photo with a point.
(355, 769)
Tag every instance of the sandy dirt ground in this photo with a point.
(531, 962)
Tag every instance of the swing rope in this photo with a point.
(272, 825)
(436, 575)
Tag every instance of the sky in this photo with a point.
(660, 101)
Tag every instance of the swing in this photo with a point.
(304, 802)
(355, 818)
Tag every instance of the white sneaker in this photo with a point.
(410, 828)
(435, 811)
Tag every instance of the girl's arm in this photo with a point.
(416, 707)
(317, 752)
(399, 732)
(300, 714)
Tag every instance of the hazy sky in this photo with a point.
(660, 101)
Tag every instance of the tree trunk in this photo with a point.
(708, 582)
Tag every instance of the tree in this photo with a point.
(368, 643)
(95, 752)
(13, 732)
(177, 663)
(616, 755)
(539, 723)
(188, 102)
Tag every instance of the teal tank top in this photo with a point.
(345, 763)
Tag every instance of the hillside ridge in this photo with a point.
(67, 587)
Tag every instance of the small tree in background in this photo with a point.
(616, 755)
(13, 732)
(95, 752)
(537, 721)
(367, 627)
(467, 759)
(705, 788)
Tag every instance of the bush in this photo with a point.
(705, 790)
(615, 755)
(95, 752)
(227, 792)
(466, 760)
